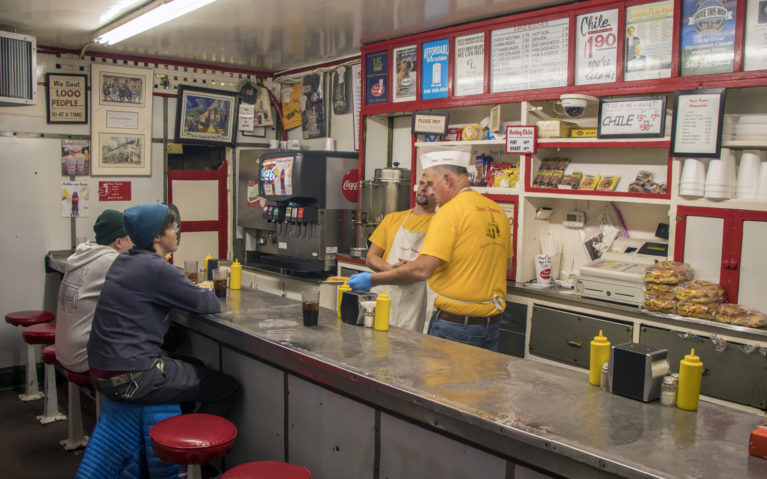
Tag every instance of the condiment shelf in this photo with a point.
(453, 144)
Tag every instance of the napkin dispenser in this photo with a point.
(637, 371)
(350, 307)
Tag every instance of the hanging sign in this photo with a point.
(697, 126)
(521, 139)
(67, 98)
(632, 117)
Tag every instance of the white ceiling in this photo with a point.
(263, 35)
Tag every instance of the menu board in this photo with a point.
(529, 56)
(707, 37)
(649, 31)
(755, 47)
(376, 78)
(697, 126)
(469, 65)
(596, 47)
(434, 62)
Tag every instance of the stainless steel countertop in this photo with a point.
(518, 408)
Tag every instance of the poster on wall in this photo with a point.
(291, 105)
(114, 190)
(469, 65)
(74, 199)
(313, 107)
(405, 75)
(649, 31)
(75, 157)
(435, 57)
(376, 78)
(529, 56)
(697, 126)
(755, 46)
(277, 176)
(67, 98)
(596, 47)
(707, 37)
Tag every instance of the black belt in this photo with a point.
(463, 319)
(120, 379)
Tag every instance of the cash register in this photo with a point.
(618, 275)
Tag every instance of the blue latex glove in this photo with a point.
(360, 282)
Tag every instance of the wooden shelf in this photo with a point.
(621, 196)
(603, 143)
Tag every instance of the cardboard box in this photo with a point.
(583, 132)
(554, 128)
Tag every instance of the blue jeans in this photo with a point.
(472, 334)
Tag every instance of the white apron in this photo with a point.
(408, 302)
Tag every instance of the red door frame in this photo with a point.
(221, 225)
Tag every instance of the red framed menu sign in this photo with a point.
(522, 139)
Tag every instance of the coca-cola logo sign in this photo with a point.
(350, 185)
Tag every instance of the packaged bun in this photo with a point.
(661, 305)
(668, 272)
(660, 290)
(699, 292)
(739, 315)
(696, 310)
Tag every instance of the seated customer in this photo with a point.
(124, 350)
(80, 288)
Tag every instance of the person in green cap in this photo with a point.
(80, 288)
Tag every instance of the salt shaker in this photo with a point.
(605, 377)
(668, 390)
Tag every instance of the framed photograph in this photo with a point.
(121, 120)
(205, 116)
(404, 73)
(697, 125)
(639, 117)
(67, 98)
(429, 123)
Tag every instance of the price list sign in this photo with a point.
(529, 56)
(521, 139)
(596, 47)
(697, 127)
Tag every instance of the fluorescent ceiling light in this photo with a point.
(165, 12)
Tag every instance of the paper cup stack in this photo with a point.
(693, 180)
(747, 185)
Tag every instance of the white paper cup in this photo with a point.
(542, 269)
(718, 185)
(330, 144)
(274, 144)
(693, 180)
(283, 145)
(748, 175)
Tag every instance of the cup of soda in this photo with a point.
(219, 282)
(190, 270)
(310, 304)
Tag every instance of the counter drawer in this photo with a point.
(732, 374)
(565, 337)
(512, 330)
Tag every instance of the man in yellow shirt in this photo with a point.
(466, 255)
(396, 241)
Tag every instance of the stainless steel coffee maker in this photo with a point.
(388, 191)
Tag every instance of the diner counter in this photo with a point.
(526, 411)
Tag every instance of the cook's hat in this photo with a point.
(449, 157)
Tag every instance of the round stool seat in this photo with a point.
(192, 438)
(49, 355)
(81, 379)
(28, 318)
(43, 333)
(267, 470)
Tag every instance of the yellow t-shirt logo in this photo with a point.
(493, 230)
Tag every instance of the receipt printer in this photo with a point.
(637, 371)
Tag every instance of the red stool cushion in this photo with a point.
(28, 318)
(192, 438)
(43, 333)
(81, 379)
(267, 470)
(49, 355)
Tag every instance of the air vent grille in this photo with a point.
(17, 69)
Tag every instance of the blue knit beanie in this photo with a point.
(144, 222)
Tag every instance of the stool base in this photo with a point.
(51, 411)
(31, 390)
(76, 438)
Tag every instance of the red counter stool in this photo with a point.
(24, 319)
(45, 333)
(192, 440)
(51, 411)
(76, 437)
(267, 470)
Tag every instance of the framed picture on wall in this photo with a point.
(206, 116)
(67, 98)
(121, 120)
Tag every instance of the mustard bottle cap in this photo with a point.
(601, 338)
(383, 295)
(692, 357)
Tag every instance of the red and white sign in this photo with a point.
(114, 191)
(522, 139)
(350, 185)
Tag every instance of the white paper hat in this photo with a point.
(451, 157)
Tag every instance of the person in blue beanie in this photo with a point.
(125, 353)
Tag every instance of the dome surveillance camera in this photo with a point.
(574, 105)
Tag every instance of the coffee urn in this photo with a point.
(388, 191)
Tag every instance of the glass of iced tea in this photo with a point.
(219, 282)
(190, 270)
(310, 304)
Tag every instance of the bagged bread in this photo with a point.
(699, 291)
(696, 310)
(660, 290)
(739, 315)
(668, 272)
(661, 305)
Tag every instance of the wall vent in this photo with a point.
(17, 69)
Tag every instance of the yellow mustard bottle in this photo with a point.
(341, 290)
(690, 375)
(383, 304)
(600, 354)
(205, 267)
(235, 275)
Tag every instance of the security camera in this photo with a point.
(575, 104)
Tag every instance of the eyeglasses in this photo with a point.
(174, 226)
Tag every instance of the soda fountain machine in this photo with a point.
(292, 209)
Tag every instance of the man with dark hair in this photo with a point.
(80, 288)
(124, 350)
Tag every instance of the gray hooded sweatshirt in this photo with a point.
(79, 292)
